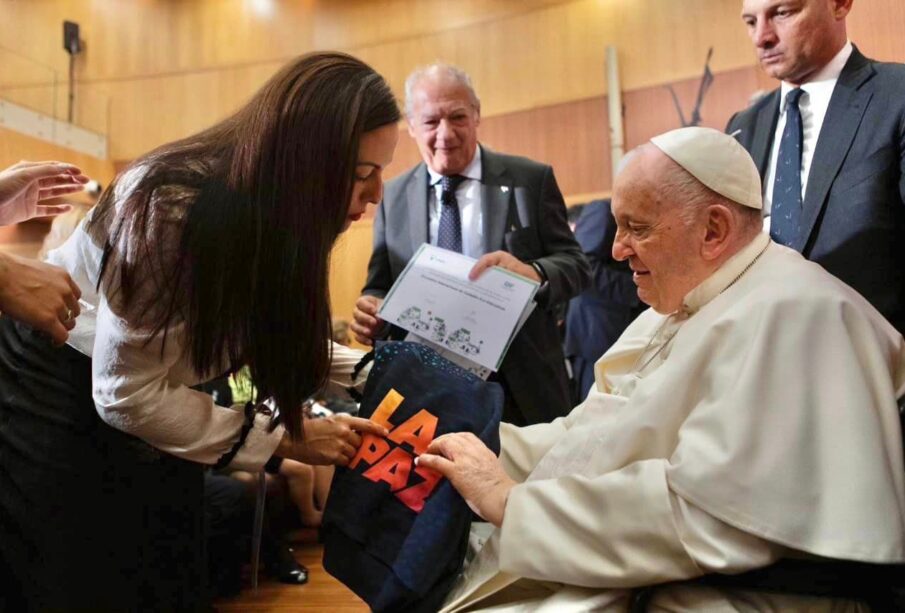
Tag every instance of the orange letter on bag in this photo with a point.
(418, 431)
(393, 469)
(414, 497)
(387, 407)
(372, 449)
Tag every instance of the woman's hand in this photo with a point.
(331, 440)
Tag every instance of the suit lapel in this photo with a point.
(843, 118)
(496, 191)
(768, 115)
(419, 216)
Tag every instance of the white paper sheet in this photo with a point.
(477, 320)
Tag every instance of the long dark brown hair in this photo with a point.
(228, 232)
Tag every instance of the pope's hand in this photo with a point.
(366, 325)
(505, 260)
(473, 470)
(329, 440)
(24, 186)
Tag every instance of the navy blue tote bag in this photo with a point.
(393, 532)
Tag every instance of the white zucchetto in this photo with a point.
(715, 159)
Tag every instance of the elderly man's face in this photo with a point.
(662, 250)
(444, 123)
(794, 39)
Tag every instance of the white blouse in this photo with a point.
(146, 393)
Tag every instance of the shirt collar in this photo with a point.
(725, 275)
(472, 171)
(828, 74)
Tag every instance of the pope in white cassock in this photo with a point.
(750, 415)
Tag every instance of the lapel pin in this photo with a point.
(504, 189)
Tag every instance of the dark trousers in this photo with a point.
(583, 377)
(90, 518)
(228, 509)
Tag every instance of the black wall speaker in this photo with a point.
(71, 42)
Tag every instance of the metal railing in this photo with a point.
(42, 88)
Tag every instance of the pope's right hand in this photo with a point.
(366, 325)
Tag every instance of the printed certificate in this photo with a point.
(477, 320)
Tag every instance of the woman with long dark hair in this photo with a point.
(206, 255)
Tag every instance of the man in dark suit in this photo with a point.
(602, 312)
(504, 210)
(830, 146)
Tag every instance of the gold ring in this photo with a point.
(68, 316)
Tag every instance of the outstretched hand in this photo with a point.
(26, 185)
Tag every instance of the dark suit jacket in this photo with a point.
(600, 314)
(853, 214)
(524, 214)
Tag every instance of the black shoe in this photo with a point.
(287, 570)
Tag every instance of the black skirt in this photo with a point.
(90, 518)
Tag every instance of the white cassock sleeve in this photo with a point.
(620, 530)
(522, 448)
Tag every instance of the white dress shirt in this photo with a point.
(813, 105)
(468, 196)
(142, 387)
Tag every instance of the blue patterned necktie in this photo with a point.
(785, 210)
(449, 234)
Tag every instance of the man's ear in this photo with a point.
(841, 8)
(720, 228)
(411, 126)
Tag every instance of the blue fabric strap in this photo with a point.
(785, 213)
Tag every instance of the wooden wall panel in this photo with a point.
(177, 106)
(135, 48)
(573, 137)
(878, 28)
(170, 68)
(25, 239)
(15, 147)
(156, 70)
(349, 267)
(650, 111)
(146, 38)
(406, 155)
